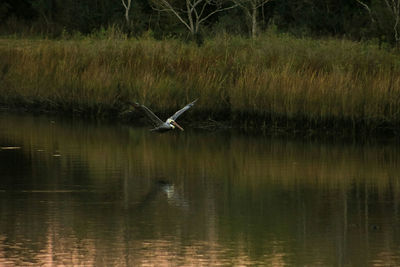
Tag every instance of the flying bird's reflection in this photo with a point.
(173, 195)
(163, 190)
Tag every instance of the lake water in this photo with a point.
(92, 194)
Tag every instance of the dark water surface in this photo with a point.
(85, 194)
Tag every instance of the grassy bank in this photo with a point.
(268, 83)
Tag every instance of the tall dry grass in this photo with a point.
(271, 81)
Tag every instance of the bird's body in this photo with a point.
(165, 127)
(169, 124)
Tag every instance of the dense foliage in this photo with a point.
(343, 18)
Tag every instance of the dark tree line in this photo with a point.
(355, 19)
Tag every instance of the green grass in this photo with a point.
(271, 82)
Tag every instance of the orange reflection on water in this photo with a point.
(61, 251)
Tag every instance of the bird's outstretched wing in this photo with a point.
(179, 112)
(156, 121)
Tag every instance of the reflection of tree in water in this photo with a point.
(340, 225)
(227, 197)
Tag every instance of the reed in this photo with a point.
(272, 81)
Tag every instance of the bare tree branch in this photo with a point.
(250, 8)
(192, 13)
(393, 7)
(171, 9)
(367, 8)
(216, 11)
(127, 6)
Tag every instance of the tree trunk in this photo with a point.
(254, 22)
(127, 16)
(127, 8)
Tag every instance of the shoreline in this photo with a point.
(290, 129)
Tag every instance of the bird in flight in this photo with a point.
(169, 124)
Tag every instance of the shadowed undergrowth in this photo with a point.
(272, 82)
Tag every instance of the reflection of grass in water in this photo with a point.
(285, 81)
(262, 176)
(248, 162)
